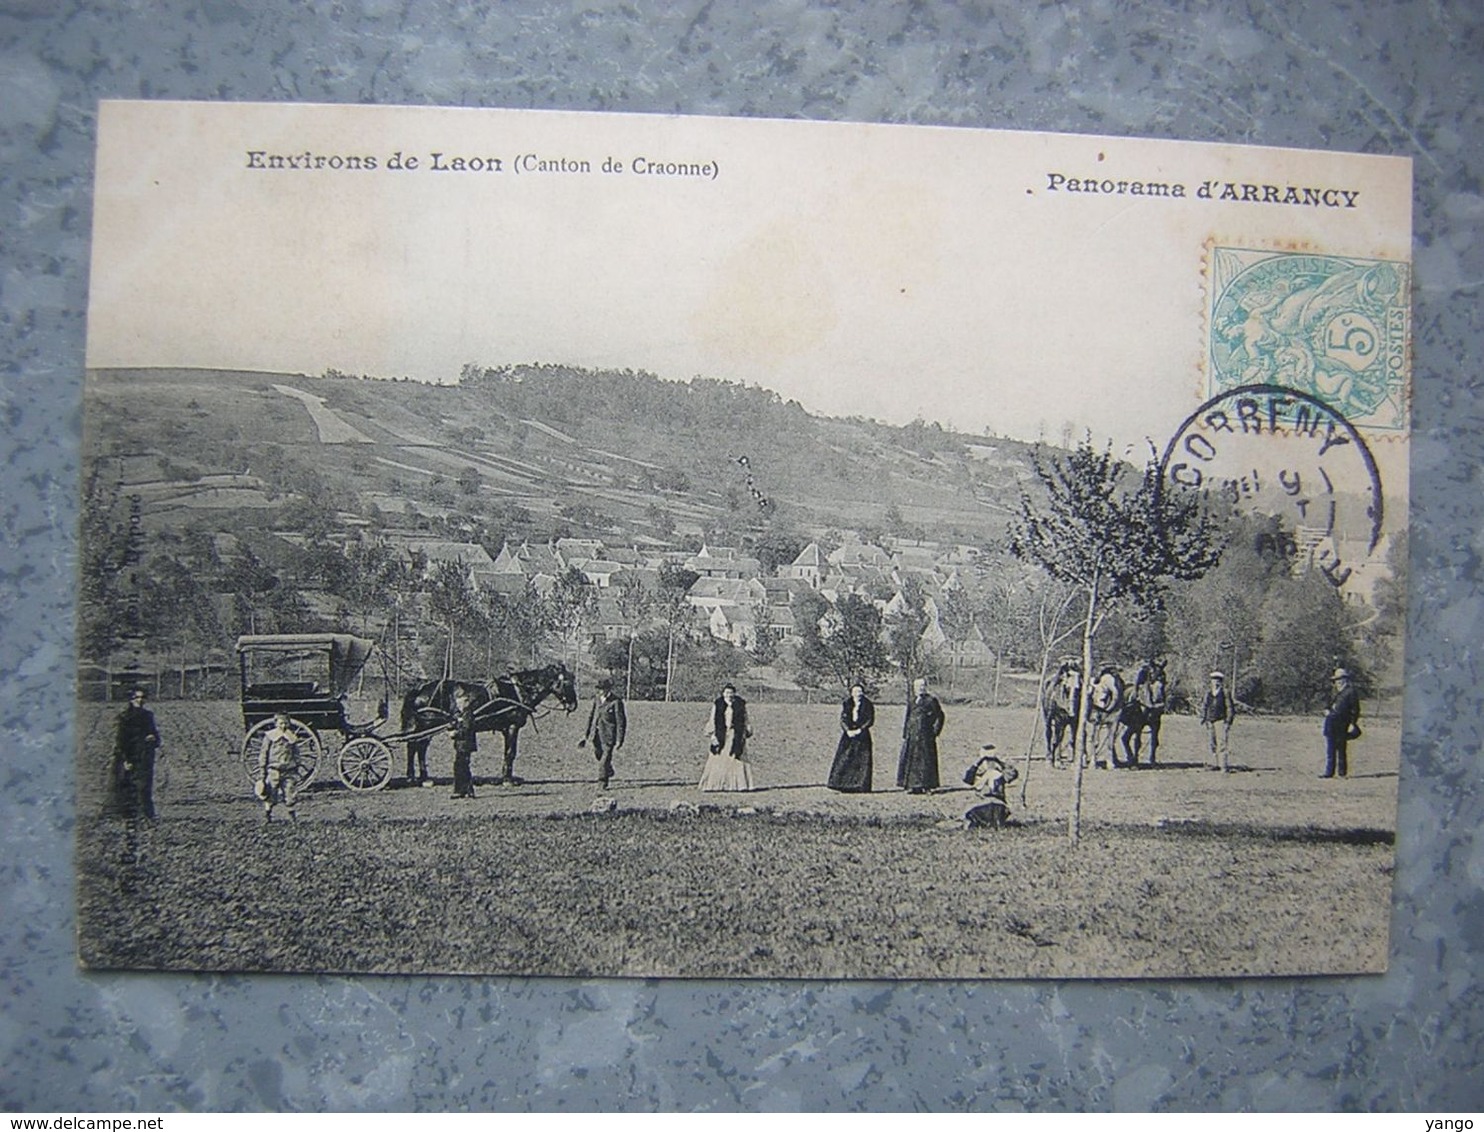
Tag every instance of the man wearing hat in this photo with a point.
(1218, 710)
(1341, 724)
(607, 725)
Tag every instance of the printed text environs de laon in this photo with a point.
(479, 164)
(1242, 192)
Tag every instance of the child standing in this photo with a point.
(278, 766)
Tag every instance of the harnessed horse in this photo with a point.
(1144, 710)
(1059, 709)
(504, 706)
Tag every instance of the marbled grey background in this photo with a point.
(1398, 77)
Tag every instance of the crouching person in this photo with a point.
(278, 767)
(989, 777)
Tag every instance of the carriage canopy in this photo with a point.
(336, 658)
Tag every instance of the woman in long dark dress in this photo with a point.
(851, 771)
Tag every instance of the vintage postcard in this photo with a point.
(603, 545)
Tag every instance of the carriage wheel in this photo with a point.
(310, 750)
(365, 763)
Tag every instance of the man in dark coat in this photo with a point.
(1341, 724)
(465, 743)
(135, 744)
(607, 725)
(1218, 710)
(917, 771)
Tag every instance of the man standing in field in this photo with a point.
(135, 744)
(1341, 724)
(607, 725)
(917, 772)
(1218, 710)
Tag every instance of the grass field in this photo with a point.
(1182, 870)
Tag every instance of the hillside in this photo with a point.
(536, 452)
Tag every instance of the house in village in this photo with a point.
(972, 652)
(736, 624)
(538, 566)
(808, 567)
(726, 593)
(576, 549)
(723, 562)
(475, 560)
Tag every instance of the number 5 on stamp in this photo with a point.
(1334, 327)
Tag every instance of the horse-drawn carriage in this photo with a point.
(308, 676)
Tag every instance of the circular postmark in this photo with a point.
(1333, 327)
(1271, 450)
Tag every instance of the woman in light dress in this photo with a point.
(727, 769)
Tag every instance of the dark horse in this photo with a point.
(506, 707)
(1143, 710)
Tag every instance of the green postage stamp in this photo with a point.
(1335, 327)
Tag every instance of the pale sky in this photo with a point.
(891, 272)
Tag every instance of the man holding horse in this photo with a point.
(506, 706)
(465, 743)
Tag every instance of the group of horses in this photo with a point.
(505, 706)
(1119, 713)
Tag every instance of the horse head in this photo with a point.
(564, 687)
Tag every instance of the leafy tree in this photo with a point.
(571, 600)
(321, 564)
(177, 611)
(1309, 631)
(469, 479)
(1114, 543)
(1216, 619)
(841, 641)
(1382, 636)
(372, 577)
(904, 634)
(765, 650)
(454, 605)
(519, 625)
(957, 612)
(634, 603)
(672, 605)
(777, 548)
(640, 661)
(705, 665)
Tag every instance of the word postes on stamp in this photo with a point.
(1332, 327)
(1271, 450)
